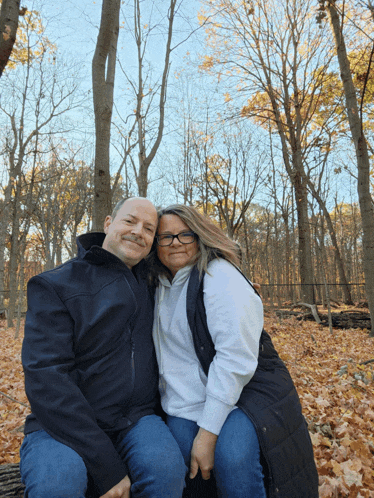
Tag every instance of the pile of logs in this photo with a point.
(10, 481)
(347, 319)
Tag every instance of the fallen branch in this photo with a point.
(15, 400)
(313, 309)
(367, 362)
(314, 339)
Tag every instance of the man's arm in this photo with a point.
(55, 399)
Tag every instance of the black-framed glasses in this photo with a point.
(167, 239)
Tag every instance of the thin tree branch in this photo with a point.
(15, 400)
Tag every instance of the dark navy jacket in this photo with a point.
(271, 402)
(88, 357)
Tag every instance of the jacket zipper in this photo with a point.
(132, 366)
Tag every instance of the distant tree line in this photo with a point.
(294, 112)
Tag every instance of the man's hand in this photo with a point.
(202, 453)
(120, 490)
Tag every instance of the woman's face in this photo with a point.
(177, 255)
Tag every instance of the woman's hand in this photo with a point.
(202, 453)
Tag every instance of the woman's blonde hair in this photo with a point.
(212, 241)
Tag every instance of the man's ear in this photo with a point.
(107, 222)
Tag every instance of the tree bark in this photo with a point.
(103, 74)
(9, 15)
(10, 481)
(334, 241)
(362, 156)
(14, 254)
(11, 486)
(305, 254)
(8, 216)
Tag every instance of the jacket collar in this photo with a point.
(90, 249)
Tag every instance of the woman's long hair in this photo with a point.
(212, 241)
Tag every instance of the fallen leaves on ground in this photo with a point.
(335, 387)
(12, 414)
(337, 394)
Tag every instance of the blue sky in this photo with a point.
(73, 26)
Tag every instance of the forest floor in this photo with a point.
(335, 385)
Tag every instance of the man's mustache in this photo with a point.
(134, 238)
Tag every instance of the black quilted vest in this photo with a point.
(271, 402)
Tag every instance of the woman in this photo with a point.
(229, 400)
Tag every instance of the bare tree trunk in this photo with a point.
(294, 267)
(103, 74)
(363, 163)
(21, 285)
(4, 224)
(305, 254)
(23, 242)
(13, 255)
(321, 249)
(339, 260)
(10, 217)
(288, 255)
(292, 155)
(9, 15)
(278, 268)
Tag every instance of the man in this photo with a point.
(91, 374)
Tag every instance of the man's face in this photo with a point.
(130, 234)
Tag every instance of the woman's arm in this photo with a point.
(235, 321)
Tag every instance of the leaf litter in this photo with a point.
(333, 375)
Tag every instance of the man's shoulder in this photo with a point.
(58, 272)
(74, 276)
(81, 277)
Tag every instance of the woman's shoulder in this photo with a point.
(223, 281)
(219, 266)
(221, 270)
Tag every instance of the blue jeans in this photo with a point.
(237, 467)
(50, 469)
